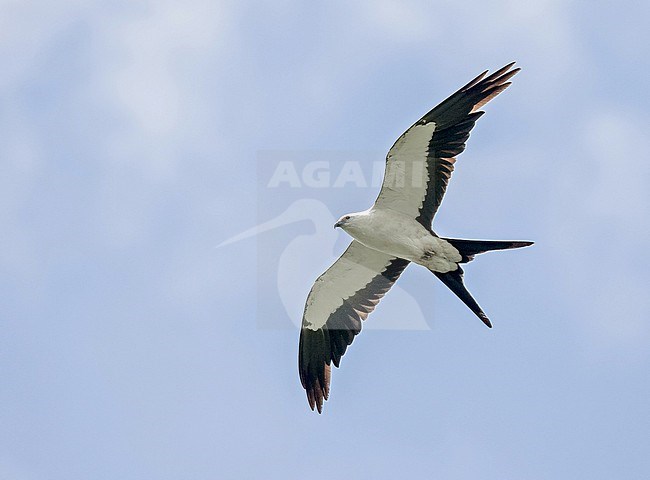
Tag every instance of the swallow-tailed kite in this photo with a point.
(396, 231)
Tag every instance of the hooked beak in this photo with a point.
(338, 224)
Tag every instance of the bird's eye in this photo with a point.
(348, 217)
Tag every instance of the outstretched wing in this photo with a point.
(340, 299)
(420, 163)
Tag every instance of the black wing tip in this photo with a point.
(491, 86)
(471, 97)
(316, 397)
(505, 70)
(499, 76)
(316, 405)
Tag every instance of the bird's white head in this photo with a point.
(348, 221)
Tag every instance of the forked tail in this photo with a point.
(469, 248)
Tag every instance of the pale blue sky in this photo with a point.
(132, 348)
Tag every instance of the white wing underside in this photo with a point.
(406, 178)
(353, 271)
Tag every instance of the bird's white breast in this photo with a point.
(401, 236)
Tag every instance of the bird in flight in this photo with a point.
(396, 231)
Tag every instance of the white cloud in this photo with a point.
(26, 29)
(406, 22)
(148, 54)
(140, 77)
(604, 230)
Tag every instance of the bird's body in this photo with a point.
(399, 235)
(396, 231)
